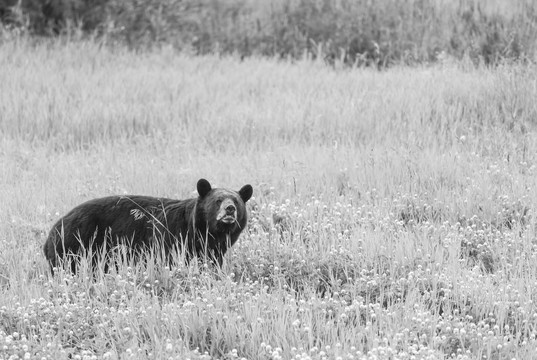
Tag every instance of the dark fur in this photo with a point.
(141, 222)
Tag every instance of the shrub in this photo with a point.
(352, 32)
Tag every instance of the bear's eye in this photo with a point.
(218, 202)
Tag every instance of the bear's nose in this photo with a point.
(230, 209)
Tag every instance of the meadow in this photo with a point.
(392, 215)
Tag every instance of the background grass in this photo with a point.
(352, 32)
(392, 214)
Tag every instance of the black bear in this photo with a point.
(204, 226)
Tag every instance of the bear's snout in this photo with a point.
(230, 209)
(227, 212)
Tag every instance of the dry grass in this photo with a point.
(353, 32)
(392, 218)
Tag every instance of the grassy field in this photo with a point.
(392, 215)
(379, 33)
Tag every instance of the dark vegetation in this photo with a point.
(354, 32)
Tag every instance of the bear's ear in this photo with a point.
(204, 187)
(246, 192)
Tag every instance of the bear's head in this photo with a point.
(224, 210)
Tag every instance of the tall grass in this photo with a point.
(362, 32)
(392, 214)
